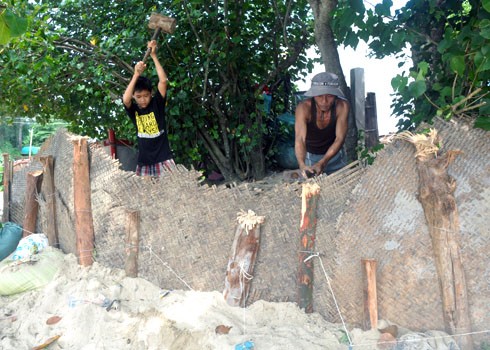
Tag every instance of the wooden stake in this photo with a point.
(132, 243)
(84, 226)
(371, 133)
(307, 233)
(6, 187)
(239, 272)
(31, 206)
(48, 190)
(436, 193)
(370, 294)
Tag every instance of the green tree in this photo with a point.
(77, 57)
(449, 42)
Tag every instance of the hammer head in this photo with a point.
(166, 24)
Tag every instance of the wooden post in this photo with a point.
(358, 97)
(436, 194)
(239, 271)
(84, 226)
(6, 187)
(371, 131)
(132, 243)
(48, 190)
(307, 233)
(370, 294)
(31, 206)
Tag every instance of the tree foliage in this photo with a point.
(77, 56)
(450, 44)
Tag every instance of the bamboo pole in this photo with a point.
(132, 243)
(239, 272)
(309, 196)
(6, 187)
(31, 206)
(84, 226)
(48, 190)
(370, 294)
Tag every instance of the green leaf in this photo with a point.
(16, 24)
(483, 122)
(398, 82)
(486, 5)
(423, 68)
(4, 31)
(457, 64)
(417, 88)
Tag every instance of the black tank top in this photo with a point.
(319, 140)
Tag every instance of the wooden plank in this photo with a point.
(6, 187)
(307, 231)
(370, 294)
(48, 191)
(84, 226)
(371, 133)
(239, 271)
(31, 205)
(132, 243)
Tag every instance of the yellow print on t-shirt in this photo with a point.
(147, 125)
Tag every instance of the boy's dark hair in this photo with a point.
(143, 83)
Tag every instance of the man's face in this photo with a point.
(142, 98)
(324, 102)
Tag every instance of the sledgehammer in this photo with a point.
(160, 23)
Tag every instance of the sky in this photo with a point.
(377, 76)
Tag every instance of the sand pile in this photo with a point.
(96, 308)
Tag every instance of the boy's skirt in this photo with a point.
(155, 169)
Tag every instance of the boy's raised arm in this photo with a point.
(162, 76)
(128, 94)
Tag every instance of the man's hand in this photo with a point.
(153, 46)
(310, 171)
(140, 67)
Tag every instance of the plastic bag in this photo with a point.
(30, 245)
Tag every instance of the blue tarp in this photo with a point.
(25, 150)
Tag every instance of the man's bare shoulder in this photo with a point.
(342, 106)
(304, 105)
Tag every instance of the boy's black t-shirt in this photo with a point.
(151, 127)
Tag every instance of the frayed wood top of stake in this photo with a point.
(249, 219)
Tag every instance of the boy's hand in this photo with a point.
(140, 67)
(153, 46)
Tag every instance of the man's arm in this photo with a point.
(128, 94)
(342, 113)
(300, 135)
(162, 76)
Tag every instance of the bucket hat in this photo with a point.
(325, 83)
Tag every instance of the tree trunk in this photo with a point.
(436, 193)
(325, 40)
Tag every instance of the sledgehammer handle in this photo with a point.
(155, 35)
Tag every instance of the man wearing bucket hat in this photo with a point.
(321, 127)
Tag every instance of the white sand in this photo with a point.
(144, 320)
